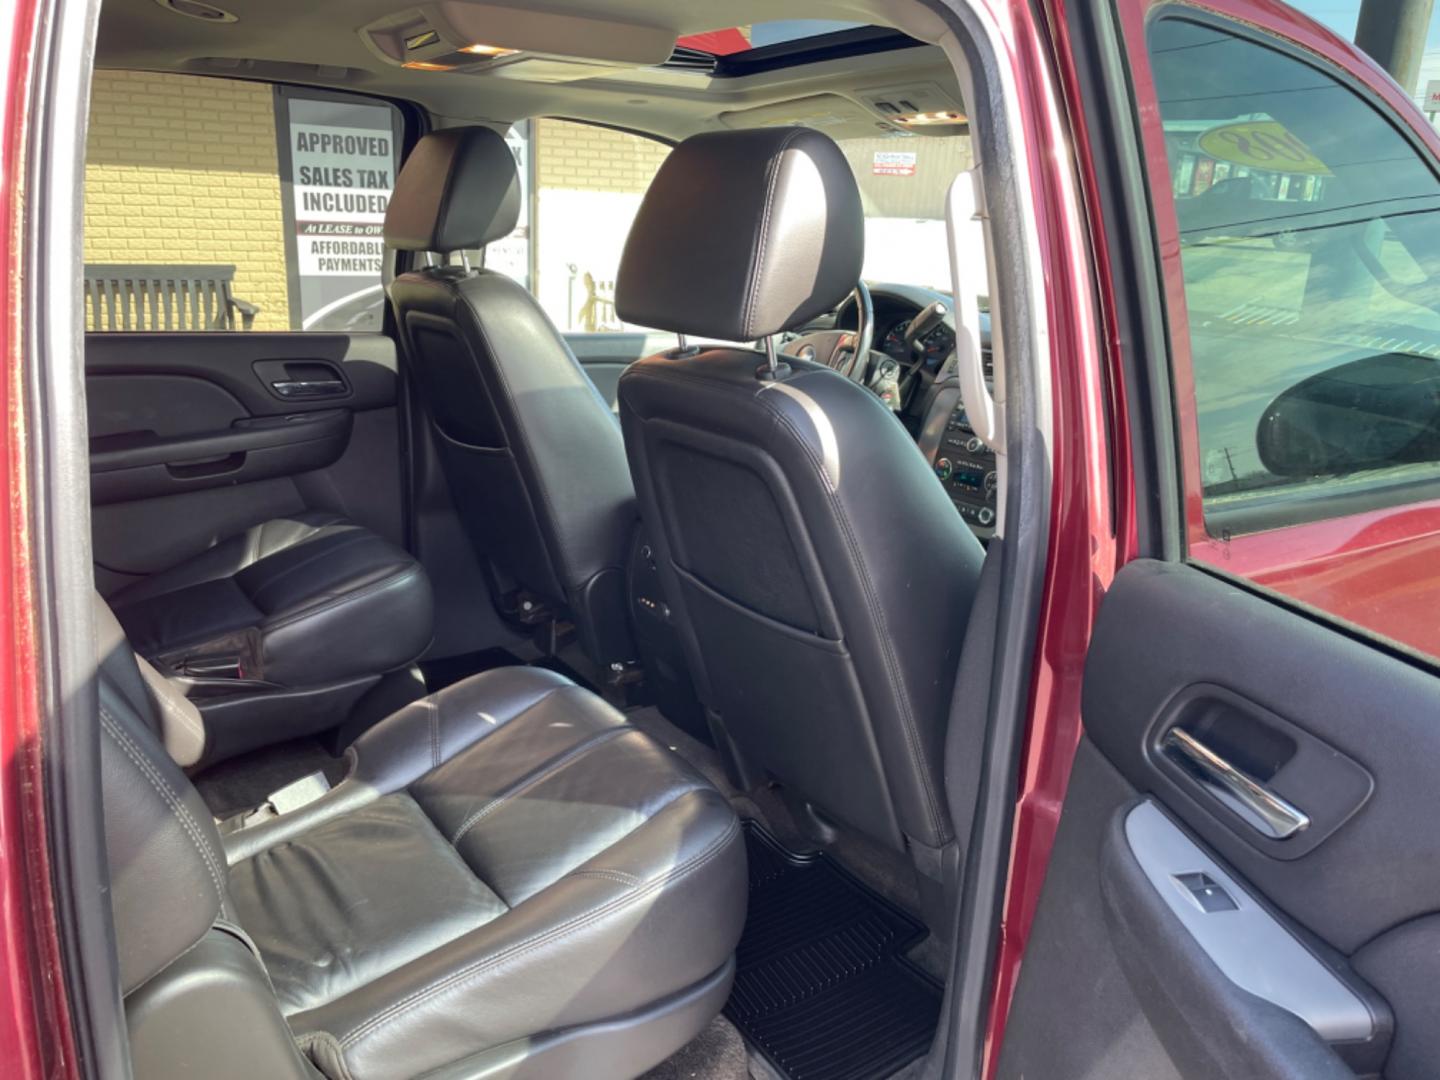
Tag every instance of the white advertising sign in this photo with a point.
(338, 160)
(342, 182)
(893, 163)
(1432, 96)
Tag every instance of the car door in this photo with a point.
(235, 360)
(1246, 877)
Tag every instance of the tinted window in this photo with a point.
(1310, 244)
(221, 204)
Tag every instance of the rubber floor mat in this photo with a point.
(822, 986)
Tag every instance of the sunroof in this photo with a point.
(739, 39)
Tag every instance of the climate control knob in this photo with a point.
(986, 516)
(975, 444)
(943, 468)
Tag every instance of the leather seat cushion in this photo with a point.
(322, 598)
(507, 857)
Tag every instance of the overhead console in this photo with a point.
(536, 46)
(916, 108)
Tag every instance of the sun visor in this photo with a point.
(455, 35)
(836, 116)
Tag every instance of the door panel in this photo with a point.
(195, 436)
(1336, 925)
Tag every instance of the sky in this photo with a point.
(1340, 15)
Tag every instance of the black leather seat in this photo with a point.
(322, 598)
(532, 453)
(307, 607)
(511, 880)
(820, 576)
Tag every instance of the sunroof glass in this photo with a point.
(739, 39)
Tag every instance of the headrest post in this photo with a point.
(465, 262)
(429, 258)
(680, 343)
(770, 355)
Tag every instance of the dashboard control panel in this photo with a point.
(966, 466)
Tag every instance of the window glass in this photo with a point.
(1310, 244)
(588, 182)
(903, 181)
(220, 204)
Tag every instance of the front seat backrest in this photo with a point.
(532, 453)
(820, 575)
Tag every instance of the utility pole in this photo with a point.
(1393, 33)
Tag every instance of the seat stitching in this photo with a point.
(167, 793)
(547, 770)
(555, 933)
(599, 871)
(434, 708)
(887, 655)
(344, 598)
(613, 875)
(484, 733)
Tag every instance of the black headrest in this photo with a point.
(459, 188)
(743, 234)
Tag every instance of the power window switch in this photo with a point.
(1205, 892)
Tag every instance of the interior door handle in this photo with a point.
(308, 388)
(1260, 807)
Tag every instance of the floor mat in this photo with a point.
(822, 986)
(242, 783)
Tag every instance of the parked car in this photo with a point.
(816, 667)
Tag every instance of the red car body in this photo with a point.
(1363, 568)
(36, 1040)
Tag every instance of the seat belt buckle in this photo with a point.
(288, 799)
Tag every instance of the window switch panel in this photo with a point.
(1205, 892)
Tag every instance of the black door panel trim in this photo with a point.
(367, 363)
(143, 465)
(1164, 627)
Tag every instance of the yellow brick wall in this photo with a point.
(183, 169)
(585, 158)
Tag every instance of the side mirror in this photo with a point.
(1371, 413)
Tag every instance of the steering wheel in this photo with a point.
(847, 351)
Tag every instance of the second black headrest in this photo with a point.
(459, 188)
(743, 234)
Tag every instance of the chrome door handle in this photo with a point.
(1260, 807)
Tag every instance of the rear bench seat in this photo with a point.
(511, 880)
(284, 626)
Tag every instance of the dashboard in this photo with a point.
(931, 408)
(938, 343)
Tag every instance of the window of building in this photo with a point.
(1310, 243)
(588, 183)
(221, 204)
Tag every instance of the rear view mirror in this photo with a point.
(1372, 413)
